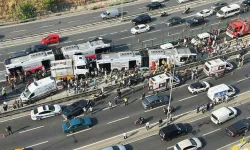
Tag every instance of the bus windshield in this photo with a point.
(231, 28)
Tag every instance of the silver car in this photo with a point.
(116, 147)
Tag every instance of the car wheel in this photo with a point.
(39, 118)
(136, 32)
(198, 148)
(195, 92)
(87, 127)
(71, 132)
(150, 107)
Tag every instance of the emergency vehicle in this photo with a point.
(161, 80)
(89, 49)
(217, 66)
(238, 27)
(119, 61)
(69, 68)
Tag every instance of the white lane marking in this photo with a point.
(149, 40)
(3, 71)
(109, 107)
(17, 31)
(177, 25)
(2, 63)
(96, 17)
(187, 98)
(211, 132)
(176, 33)
(154, 31)
(37, 144)
(11, 52)
(154, 108)
(242, 93)
(127, 37)
(67, 42)
(73, 21)
(142, 8)
(243, 79)
(14, 118)
(92, 37)
(79, 39)
(113, 33)
(31, 129)
(47, 26)
(122, 45)
(170, 147)
(196, 28)
(103, 35)
(118, 120)
(79, 132)
(215, 23)
(123, 30)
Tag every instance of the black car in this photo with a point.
(155, 101)
(76, 108)
(218, 6)
(18, 54)
(246, 3)
(141, 19)
(195, 21)
(172, 131)
(36, 48)
(136, 80)
(154, 5)
(174, 21)
(240, 127)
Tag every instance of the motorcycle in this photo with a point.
(165, 110)
(98, 96)
(139, 121)
(164, 14)
(186, 11)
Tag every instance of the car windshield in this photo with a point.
(26, 93)
(145, 101)
(105, 13)
(136, 27)
(51, 107)
(115, 148)
(193, 142)
(81, 67)
(177, 146)
(67, 124)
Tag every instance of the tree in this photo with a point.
(48, 4)
(25, 10)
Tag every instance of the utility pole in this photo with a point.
(122, 10)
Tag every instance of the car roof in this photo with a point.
(143, 15)
(185, 143)
(141, 25)
(42, 108)
(221, 111)
(169, 128)
(206, 10)
(197, 84)
(75, 121)
(239, 124)
(152, 98)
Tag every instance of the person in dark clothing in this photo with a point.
(208, 106)
(9, 130)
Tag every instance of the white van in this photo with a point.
(217, 66)
(200, 37)
(110, 13)
(219, 92)
(228, 11)
(160, 81)
(223, 114)
(38, 90)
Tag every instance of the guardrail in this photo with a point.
(101, 24)
(109, 88)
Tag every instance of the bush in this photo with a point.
(24, 11)
(48, 4)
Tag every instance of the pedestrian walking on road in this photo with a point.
(147, 125)
(143, 95)
(160, 122)
(110, 105)
(208, 106)
(197, 109)
(9, 130)
(116, 99)
(125, 101)
(91, 110)
(125, 136)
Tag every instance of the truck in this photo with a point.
(238, 27)
(39, 89)
(69, 68)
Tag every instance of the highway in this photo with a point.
(212, 136)
(72, 20)
(124, 40)
(47, 133)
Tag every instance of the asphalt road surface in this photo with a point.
(72, 20)
(47, 134)
(124, 40)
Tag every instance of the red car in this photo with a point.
(52, 38)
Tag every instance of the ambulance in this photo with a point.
(217, 66)
(219, 92)
(160, 81)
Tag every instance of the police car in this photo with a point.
(45, 111)
(199, 86)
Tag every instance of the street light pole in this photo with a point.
(121, 10)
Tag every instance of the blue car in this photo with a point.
(76, 124)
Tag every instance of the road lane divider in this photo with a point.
(37, 144)
(31, 129)
(118, 120)
(187, 98)
(211, 132)
(141, 133)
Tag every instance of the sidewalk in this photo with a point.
(142, 133)
(238, 145)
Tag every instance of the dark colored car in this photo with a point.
(154, 5)
(195, 21)
(218, 6)
(246, 3)
(240, 127)
(36, 48)
(141, 19)
(172, 131)
(174, 21)
(76, 108)
(155, 101)
(17, 54)
(136, 80)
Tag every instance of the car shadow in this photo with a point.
(239, 112)
(128, 147)
(203, 141)
(2, 36)
(63, 39)
(21, 129)
(94, 121)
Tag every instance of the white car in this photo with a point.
(140, 29)
(160, 1)
(189, 144)
(167, 46)
(205, 13)
(198, 87)
(182, 1)
(45, 111)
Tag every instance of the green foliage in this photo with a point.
(48, 4)
(24, 11)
